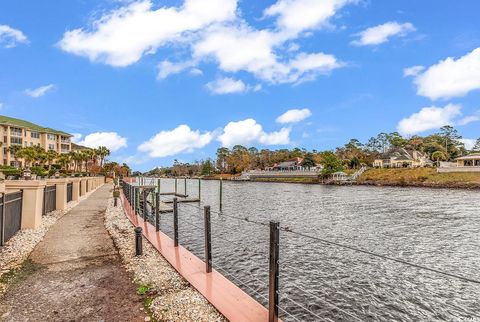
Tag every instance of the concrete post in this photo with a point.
(83, 191)
(75, 189)
(32, 200)
(61, 197)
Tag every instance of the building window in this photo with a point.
(16, 131)
(51, 146)
(52, 137)
(16, 140)
(34, 135)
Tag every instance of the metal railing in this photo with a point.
(69, 192)
(308, 304)
(11, 215)
(49, 199)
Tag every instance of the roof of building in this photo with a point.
(401, 154)
(6, 120)
(473, 156)
(79, 147)
(289, 163)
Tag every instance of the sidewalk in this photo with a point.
(75, 273)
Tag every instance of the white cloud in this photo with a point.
(469, 143)
(1, 105)
(226, 86)
(167, 68)
(429, 118)
(294, 115)
(195, 72)
(77, 137)
(468, 119)
(380, 34)
(248, 132)
(9, 37)
(295, 16)
(413, 71)
(111, 140)
(180, 139)
(242, 48)
(450, 78)
(206, 31)
(123, 36)
(40, 91)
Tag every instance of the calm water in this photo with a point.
(319, 282)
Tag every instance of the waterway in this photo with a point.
(433, 228)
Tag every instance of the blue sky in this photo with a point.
(164, 80)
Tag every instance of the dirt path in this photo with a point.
(75, 273)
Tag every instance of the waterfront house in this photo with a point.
(289, 165)
(25, 134)
(471, 160)
(402, 158)
(467, 163)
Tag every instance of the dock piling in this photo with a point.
(208, 240)
(199, 190)
(221, 194)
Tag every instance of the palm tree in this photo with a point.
(51, 156)
(13, 149)
(27, 154)
(103, 152)
(64, 161)
(439, 155)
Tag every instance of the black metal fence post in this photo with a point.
(175, 222)
(144, 205)
(157, 211)
(273, 271)
(208, 240)
(138, 241)
(2, 232)
(185, 186)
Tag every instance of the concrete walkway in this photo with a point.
(75, 273)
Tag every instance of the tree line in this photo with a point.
(83, 160)
(446, 145)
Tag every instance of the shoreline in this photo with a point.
(375, 183)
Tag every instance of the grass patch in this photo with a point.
(148, 295)
(19, 274)
(142, 289)
(419, 175)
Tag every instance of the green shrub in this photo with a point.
(12, 172)
(39, 171)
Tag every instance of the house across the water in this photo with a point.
(402, 158)
(289, 165)
(467, 163)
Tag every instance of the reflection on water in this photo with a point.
(319, 282)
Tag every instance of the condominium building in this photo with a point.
(23, 133)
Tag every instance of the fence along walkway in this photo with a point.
(10, 215)
(78, 275)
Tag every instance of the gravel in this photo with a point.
(173, 298)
